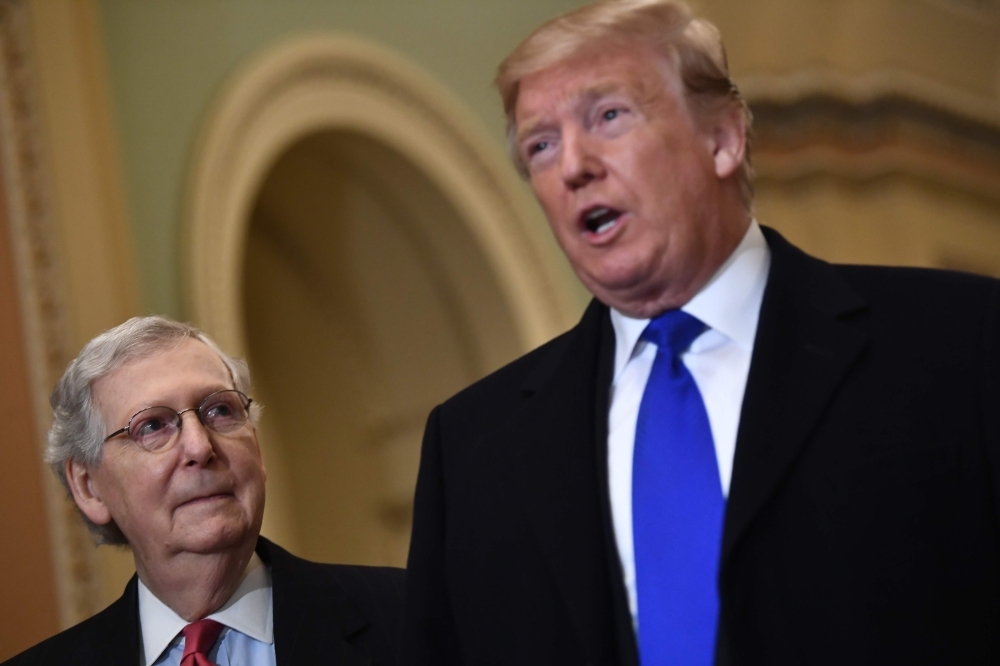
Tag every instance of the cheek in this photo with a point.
(248, 466)
(642, 174)
(251, 474)
(549, 192)
(130, 475)
(149, 486)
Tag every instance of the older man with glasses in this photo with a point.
(154, 435)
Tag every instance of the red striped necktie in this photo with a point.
(199, 637)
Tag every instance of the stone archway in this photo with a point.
(350, 231)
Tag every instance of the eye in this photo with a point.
(224, 411)
(153, 425)
(218, 411)
(610, 114)
(150, 426)
(537, 147)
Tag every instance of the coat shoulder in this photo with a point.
(317, 604)
(939, 303)
(89, 642)
(907, 301)
(503, 389)
(377, 590)
(917, 284)
(513, 375)
(363, 584)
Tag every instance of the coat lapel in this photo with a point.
(805, 346)
(556, 463)
(110, 638)
(122, 621)
(314, 619)
(811, 332)
(625, 643)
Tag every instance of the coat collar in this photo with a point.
(315, 619)
(812, 329)
(584, 338)
(810, 333)
(120, 619)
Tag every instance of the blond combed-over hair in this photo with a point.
(691, 45)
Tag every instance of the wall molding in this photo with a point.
(868, 126)
(322, 82)
(38, 266)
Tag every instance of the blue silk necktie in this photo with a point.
(677, 506)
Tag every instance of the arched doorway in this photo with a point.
(367, 302)
(350, 231)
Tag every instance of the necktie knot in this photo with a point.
(199, 637)
(673, 331)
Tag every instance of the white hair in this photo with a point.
(78, 429)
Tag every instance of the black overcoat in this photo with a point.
(861, 525)
(333, 614)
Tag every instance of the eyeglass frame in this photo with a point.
(180, 421)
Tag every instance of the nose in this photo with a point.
(580, 162)
(195, 443)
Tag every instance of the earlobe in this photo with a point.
(730, 143)
(86, 492)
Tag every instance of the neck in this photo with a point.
(656, 296)
(195, 585)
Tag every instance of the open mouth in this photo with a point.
(600, 219)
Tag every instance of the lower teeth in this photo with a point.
(604, 227)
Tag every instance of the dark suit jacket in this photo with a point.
(323, 614)
(861, 525)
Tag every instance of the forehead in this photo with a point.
(639, 72)
(178, 373)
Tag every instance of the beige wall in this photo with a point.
(124, 89)
(168, 59)
(367, 303)
(949, 42)
(893, 220)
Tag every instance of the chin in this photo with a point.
(622, 268)
(617, 286)
(213, 536)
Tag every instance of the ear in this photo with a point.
(86, 492)
(729, 142)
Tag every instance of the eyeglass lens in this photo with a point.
(222, 412)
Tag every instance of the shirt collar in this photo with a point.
(728, 303)
(249, 611)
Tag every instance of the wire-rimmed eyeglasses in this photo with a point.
(153, 428)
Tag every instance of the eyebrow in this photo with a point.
(207, 392)
(582, 99)
(593, 93)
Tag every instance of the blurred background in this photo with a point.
(322, 186)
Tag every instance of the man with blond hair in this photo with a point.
(741, 454)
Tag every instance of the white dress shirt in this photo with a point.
(248, 617)
(719, 361)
